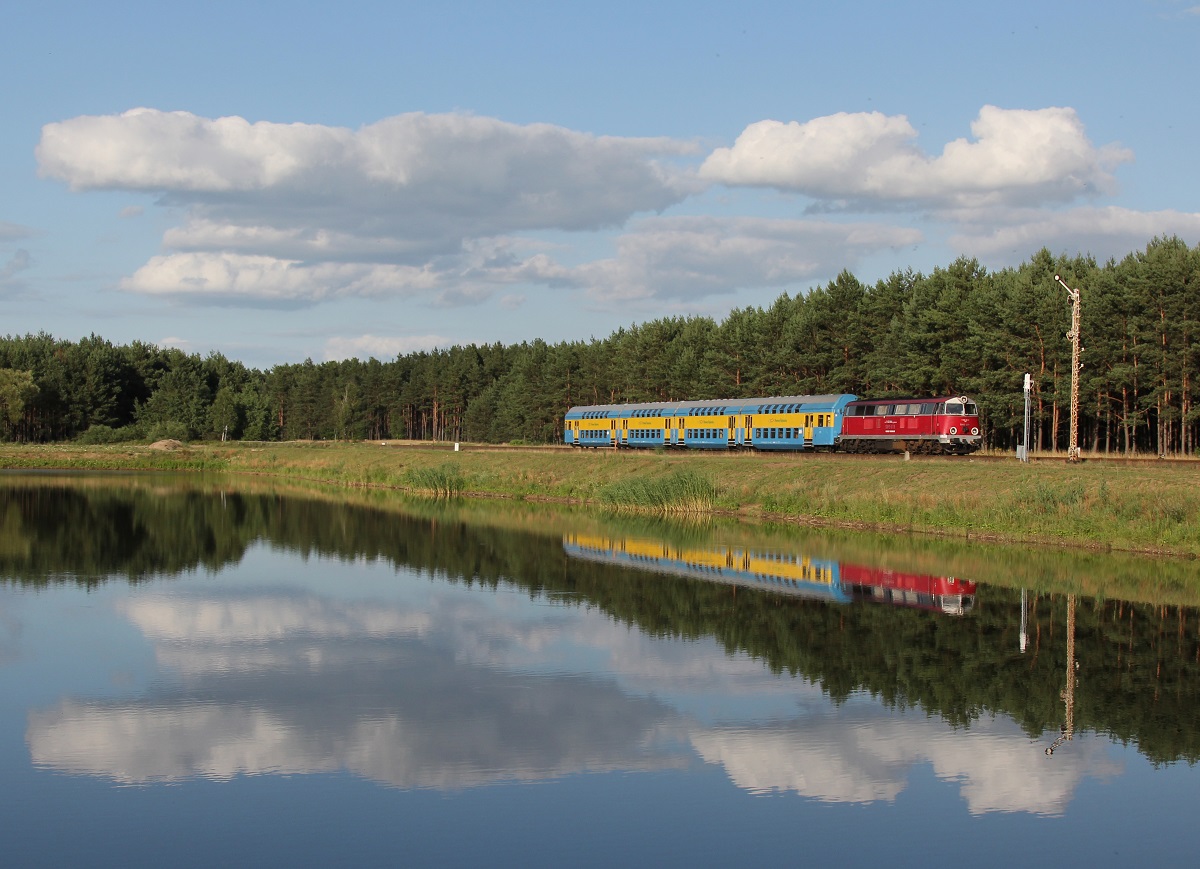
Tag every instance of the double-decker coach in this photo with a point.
(782, 422)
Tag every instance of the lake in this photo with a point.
(199, 671)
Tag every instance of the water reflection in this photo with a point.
(441, 697)
(432, 652)
(1067, 731)
(791, 573)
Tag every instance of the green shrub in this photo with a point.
(103, 434)
(168, 430)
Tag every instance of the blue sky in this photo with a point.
(278, 182)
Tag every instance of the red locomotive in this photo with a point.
(919, 425)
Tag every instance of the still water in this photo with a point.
(194, 674)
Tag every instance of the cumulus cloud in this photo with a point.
(446, 210)
(260, 280)
(427, 180)
(1016, 157)
(234, 277)
(693, 257)
(413, 204)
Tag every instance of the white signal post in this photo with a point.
(1073, 335)
(1023, 450)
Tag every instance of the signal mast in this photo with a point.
(1073, 336)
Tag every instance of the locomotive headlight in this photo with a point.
(975, 430)
(953, 429)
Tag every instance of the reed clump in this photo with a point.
(441, 481)
(679, 493)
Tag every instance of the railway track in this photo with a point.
(808, 455)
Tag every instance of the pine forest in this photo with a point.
(958, 330)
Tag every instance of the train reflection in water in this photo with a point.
(785, 573)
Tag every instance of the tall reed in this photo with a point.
(443, 481)
(681, 492)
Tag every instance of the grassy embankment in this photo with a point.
(1139, 507)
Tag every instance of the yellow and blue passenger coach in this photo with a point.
(785, 422)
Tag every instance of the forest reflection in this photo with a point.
(996, 652)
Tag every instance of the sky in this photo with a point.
(279, 182)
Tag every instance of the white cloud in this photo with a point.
(1102, 232)
(446, 209)
(412, 205)
(146, 149)
(1016, 156)
(380, 346)
(434, 178)
(265, 279)
(693, 257)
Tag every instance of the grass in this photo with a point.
(1138, 507)
(443, 481)
(680, 492)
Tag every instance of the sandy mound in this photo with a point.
(169, 444)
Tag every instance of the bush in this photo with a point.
(168, 430)
(104, 434)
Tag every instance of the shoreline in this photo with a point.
(1150, 509)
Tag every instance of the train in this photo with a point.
(843, 423)
(791, 574)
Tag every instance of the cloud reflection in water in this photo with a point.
(467, 688)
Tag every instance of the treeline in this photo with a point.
(959, 329)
